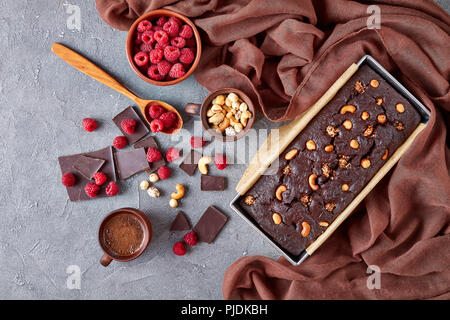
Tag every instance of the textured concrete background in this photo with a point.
(42, 101)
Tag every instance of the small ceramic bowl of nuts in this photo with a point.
(226, 114)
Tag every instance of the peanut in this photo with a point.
(365, 163)
(291, 154)
(365, 115)
(276, 218)
(354, 144)
(329, 148)
(400, 107)
(381, 118)
(347, 124)
(379, 101)
(374, 83)
(345, 187)
(323, 224)
(310, 145)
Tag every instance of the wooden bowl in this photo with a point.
(202, 109)
(130, 45)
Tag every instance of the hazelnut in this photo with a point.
(381, 118)
(379, 101)
(305, 200)
(310, 145)
(368, 132)
(276, 218)
(359, 87)
(332, 131)
(354, 144)
(400, 107)
(173, 203)
(329, 148)
(153, 177)
(153, 192)
(347, 124)
(365, 163)
(249, 200)
(144, 185)
(306, 229)
(374, 83)
(330, 206)
(345, 187)
(399, 125)
(291, 154)
(348, 108)
(279, 192)
(365, 115)
(287, 170)
(385, 154)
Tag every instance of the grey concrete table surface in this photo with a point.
(42, 101)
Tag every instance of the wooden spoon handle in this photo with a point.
(84, 65)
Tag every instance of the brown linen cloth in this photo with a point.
(285, 55)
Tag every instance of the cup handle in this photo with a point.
(105, 260)
(193, 108)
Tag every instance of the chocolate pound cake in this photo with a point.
(331, 161)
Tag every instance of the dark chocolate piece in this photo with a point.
(210, 224)
(131, 162)
(88, 166)
(76, 192)
(190, 162)
(147, 143)
(180, 223)
(212, 183)
(141, 129)
(349, 146)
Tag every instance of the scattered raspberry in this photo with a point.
(177, 71)
(190, 238)
(186, 32)
(186, 56)
(145, 47)
(171, 28)
(156, 125)
(91, 189)
(89, 124)
(156, 111)
(197, 142)
(161, 21)
(179, 249)
(220, 161)
(153, 154)
(161, 37)
(169, 119)
(112, 189)
(148, 37)
(164, 173)
(176, 20)
(178, 42)
(156, 55)
(141, 58)
(100, 178)
(144, 25)
(120, 142)
(154, 73)
(172, 154)
(128, 126)
(68, 179)
(171, 53)
(138, 39)
(164, 67)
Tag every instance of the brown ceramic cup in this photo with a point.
(202, 109)
(146, 226)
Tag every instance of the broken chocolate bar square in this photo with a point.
(87, 166)
(210, 224)
(190, 162)
(180, 223)
(212, 183)
(131, 162)
(140, 130)
(147, 143)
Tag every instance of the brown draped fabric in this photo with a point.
(284, 55)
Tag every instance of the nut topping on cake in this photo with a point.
(365, 163)
(312, 182)
(276, 218)
(310, 145)
(365, 115)
(287, 170)
(306, 229)
(279, 192)
(368, 132)
(385, 154)
(330, 206)
(399, 125)
(374, 83)
(359, 87)
(348, 108)
(291, 154)
(347, 124)
(249, 200)
(326, 170)
(329, 148)
(381, 118)
(305, 200)
(343, 162)
(400, 107)
(332, 131)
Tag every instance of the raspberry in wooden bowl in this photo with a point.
(163, 47)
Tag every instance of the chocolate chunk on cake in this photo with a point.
(328, 164)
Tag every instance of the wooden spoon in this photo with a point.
(84, 65)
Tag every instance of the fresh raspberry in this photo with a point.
(171, 53)
(179, 249)
(164, 173)
(156, 28)
(153, 154)
(138, 39)
(68, 179)
(128, 126)
(161, 21)
(220, 161)
(176, 20)
(112, 189)
(145, 47)
(91, 189)
(148, 37)
(153, 73)
(156, 125)
(171, 28)
(161, 37)
(169, 119)
(89, 124)
(172, 154)
(156, 55)
(100, 178)
(178, 42)
(161, 46)
(186, 56)
(186, 32)
(141, 58)
(190, 238)
(177, 71)
(144, 25)
(120, 142)
(164, 67)
(197, 142)
(155, 111)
